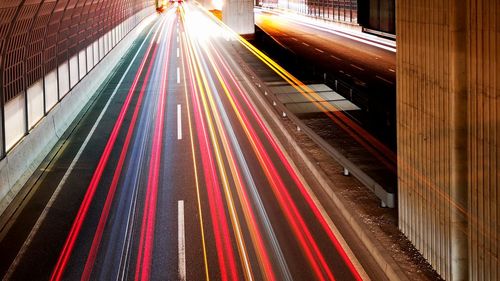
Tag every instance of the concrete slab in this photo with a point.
(299, 103)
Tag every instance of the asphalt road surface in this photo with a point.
(172, 174)
(370, 63)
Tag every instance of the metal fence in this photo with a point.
(47, 47)
(335, 10)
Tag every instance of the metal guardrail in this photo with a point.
(387, 199)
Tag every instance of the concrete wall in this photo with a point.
(66, 90)
(483, 147)
(448, 133)
(238, 15)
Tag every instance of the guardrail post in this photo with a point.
(346, 172)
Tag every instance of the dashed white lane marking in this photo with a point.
(305, 44)
(181, 240)
(178, 52)
(392, 70)
(178, 76)
(319, 50)
(295, 39)
(337, 58)
(179, 122)
(383, 79)
(355, 66)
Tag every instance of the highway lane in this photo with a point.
(360, 62)
(183, 180)
(368, 63)
(363, 62)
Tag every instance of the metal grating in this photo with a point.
(38, 35)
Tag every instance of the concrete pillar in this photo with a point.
(238, 15)
(449, 134)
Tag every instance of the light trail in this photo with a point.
(111, 193)
(195, 168)
(225, 253)
(238, 110)
(89, 195)
(271, 175)
(74, 161)
(222, 126)
(223, 120)
(205, 95)
(369, 142)
(143, 266)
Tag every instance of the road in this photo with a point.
(363, 65)
(368, 62)
(172, 174)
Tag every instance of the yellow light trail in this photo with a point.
(205, 90)
(374, 146)
(188, 106)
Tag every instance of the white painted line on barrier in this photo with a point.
(179, 122)
(181, 240)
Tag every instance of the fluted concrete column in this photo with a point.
(238, 15)
(448, 134)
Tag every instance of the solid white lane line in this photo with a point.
(355, 66)
(181, 241)
(178, 52)
(383, 79)
(179, 122)
(178, 76)
(319, 50)
(332, 56)
(305, 44)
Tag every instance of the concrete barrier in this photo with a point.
(24, 158)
